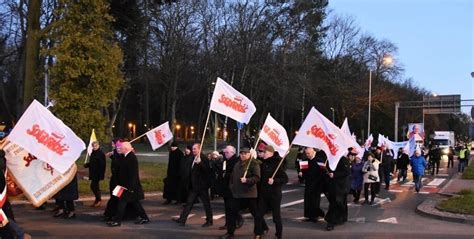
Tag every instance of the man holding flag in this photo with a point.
(96, 167)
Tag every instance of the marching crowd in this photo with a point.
(247, 179)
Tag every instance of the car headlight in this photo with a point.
(445, 151)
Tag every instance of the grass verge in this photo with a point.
(464, 203)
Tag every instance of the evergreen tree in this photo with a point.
(86, 72)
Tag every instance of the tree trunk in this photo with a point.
(32, 51)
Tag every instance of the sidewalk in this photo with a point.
(455, 184)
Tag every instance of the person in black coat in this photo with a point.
(435, 158)
(12, 229)
(339, 183)
(222, 185)
(402, 165)
(65, 200)
(314, 184)
(270, 191)
(185, 174)
(115, 157)
(129, 178)
(387, 164)
(200, 183)
(299, 157)
(172, 180)
(96, 167)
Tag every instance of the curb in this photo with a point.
(82, 200)
(428, 209)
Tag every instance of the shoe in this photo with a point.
(207, 224)
(329, 228)
(70, 215)
(240, 223)
(106, 218)
(167, 202)
(179, 221)
(371, 202)
(176, 203)
(96, 204)
(59, 213)
(142, 221)
(113, 224)
(223, 227)
(227, 236)
(310, 220)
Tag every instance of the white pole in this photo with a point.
(370, 102)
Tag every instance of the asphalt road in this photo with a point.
(393, 216)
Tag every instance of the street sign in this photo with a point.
(441, 104)
(240, 125)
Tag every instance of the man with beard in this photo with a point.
(270, 191)
(200, 183)
(223, 177)
(172, 180)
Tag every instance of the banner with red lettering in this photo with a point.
(229, 102)
(37, 180)
(319, 132)
(159, 135)
(275, 135)
(42, 134)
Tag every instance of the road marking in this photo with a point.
(353, 205)
(292, 203)
(424, 192)
(357, 219)
(189, 216)
(215, 217)
(379, 201)
(436, 182)
(392, 220)
(442, 175)
(291, 190)
(395, 191)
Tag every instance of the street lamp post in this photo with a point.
(370, 102)
(386, 61)
(332, 109)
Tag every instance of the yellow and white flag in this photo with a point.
(91, 140)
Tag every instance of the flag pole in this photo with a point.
(281, 161)
(85, 161)
(248, 165)
(138, 137)
(205, 129)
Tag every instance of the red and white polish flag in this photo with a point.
(118, 191)
(159, 135)
(42, 134)
(275, 135)
(228, 101)
(303, 165)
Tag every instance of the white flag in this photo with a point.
(368, 142)
(159, 135)
(275, 135)
(345, 127)
(42, 134)
(228, 101)
(319, 132)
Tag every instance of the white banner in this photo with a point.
(275, 135)
(37, 179)
(229, 102)
(159, 135)
(47, 137)
(368, 142)
(319, 132)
